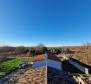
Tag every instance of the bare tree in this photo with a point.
(86, 49)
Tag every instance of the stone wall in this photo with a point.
(79, 66)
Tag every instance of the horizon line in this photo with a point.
(34, 45)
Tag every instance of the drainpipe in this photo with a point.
(46, 68)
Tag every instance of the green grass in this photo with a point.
(12, 64)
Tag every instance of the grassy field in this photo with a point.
(9, 64)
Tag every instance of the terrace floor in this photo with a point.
(57, 77)
(42, 72)
(26, 76)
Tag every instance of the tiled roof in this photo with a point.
(39, 57)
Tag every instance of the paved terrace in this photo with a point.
(45, 71)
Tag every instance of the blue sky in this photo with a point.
(51, 22)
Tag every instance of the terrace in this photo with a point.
(45, 69)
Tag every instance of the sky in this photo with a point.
(51, 22)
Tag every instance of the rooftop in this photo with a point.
(45, 71)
